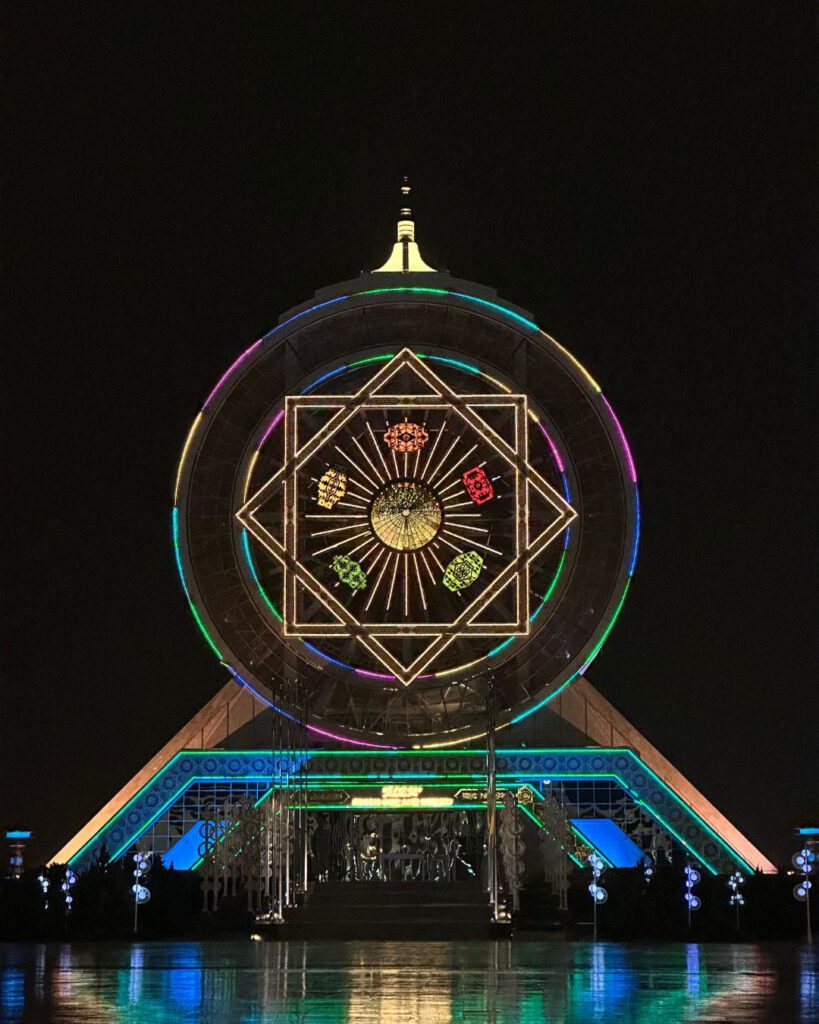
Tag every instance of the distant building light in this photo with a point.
(18, 834)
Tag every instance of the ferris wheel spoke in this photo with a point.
(420, 582)
(370, 462)
(449, 450)
(384, 568)
(432, 452)
(358, 470)
(378, 449)
(330, 547)
(392, 581)
(477, 543)
(460, 462)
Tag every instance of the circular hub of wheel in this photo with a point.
(406, 515)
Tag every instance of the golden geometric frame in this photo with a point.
(372, 395)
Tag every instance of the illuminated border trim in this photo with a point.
(620, 764)
(498, 308)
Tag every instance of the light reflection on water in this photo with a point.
(243, 982)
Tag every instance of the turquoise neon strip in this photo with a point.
(591, 846)
(455, 779)
(703, 823)
(608, 628)
(191, 605)
(256, 580)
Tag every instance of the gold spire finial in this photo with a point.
(405, 257)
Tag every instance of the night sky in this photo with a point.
(635, 174)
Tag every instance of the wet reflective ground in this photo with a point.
(404, 982)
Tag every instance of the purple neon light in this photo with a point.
(255, 345)
(555, 453)
(346, 739)
(311, 728)
(621, 432)
(231, 368)
(273, 424)
(383, 675)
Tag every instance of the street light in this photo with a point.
(141, 892)
(692, 878)
(598, 893)
(737, 899)
(804, 861)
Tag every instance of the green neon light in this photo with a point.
(437, 781)
(199, 623)
(373, 359)
(677, 836)
(158, 814)
(458, 295)
(704, 824)
(452, 362)
(418, 754)
(427, 291)
(386, 776)
(256, 579)
(205, 633)
(591, 846)
(546, 699)
(122, 811)
(608, 628)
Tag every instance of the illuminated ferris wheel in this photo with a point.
(399, 497)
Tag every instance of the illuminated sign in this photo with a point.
(402, 796)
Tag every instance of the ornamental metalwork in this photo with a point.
(332, 487)
(349, 571)
(462, 571)
(406, 515)
(406, 437)
(478, 485)
(402, 519)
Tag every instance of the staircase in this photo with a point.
(391, 910)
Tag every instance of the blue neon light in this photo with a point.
(327, 657)
(636, 530)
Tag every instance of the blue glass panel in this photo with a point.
(610, 841)
(185, 851)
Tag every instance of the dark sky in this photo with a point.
(636, 174)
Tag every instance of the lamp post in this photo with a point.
(737, 899)
(491, 801)
(142, 862)
(598, 893)
(804, 862)
(69, 882)
(44, 886)
(692, 878)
